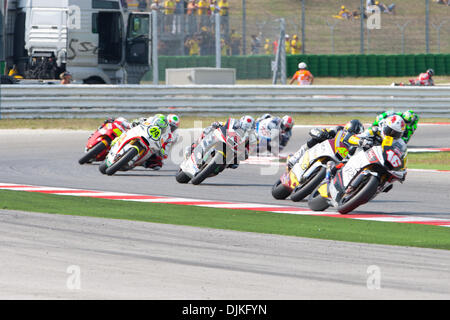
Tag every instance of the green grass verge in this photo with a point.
(240, 220)
(429, 160)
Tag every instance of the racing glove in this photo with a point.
(366, 143)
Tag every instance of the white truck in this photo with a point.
(97, 41)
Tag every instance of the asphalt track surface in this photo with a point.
(132, 260)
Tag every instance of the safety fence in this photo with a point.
(352, 65)
(91, 101)
(321, 26)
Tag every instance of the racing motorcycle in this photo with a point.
(99, 142)
(366, 174)
(133, 148)
(310, 170)
(218, 150)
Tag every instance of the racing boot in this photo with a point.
(294, 159)
(154, 163)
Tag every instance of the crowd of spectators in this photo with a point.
(190, 14)
(446, 2)
(345, 14)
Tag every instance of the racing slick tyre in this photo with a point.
(303, 190)
(316, 202)
(211, 168)
(130, 154)
(94, 151)
(102, 167)
(182, 177)
(279, 191)
(365, 191)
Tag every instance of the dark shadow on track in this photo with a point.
(235, 185)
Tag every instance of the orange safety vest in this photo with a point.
(303, 77)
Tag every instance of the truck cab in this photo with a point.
(97, 41)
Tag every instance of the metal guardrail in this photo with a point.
(89, 101)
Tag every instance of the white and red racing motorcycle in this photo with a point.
(366, 174)
(219, 149)
(133, 148)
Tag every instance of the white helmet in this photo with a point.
(302, 65)
(287, 123)
(393, 126)
(174, 121)
(247, 122)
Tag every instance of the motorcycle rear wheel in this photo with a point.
(209, 169)
(365, 193)
(130, 154)
(302, 191)
(94, 151)
(280, 191)
(182, 177)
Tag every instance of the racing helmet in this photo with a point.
(302, 65)
(354, 127)
(393, 126)
(160, 121)
(124, 123)
(287, 123)
(174, 121)
(409, 116)
(430, 72)
(247, 123)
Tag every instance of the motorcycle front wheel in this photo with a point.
(130, 154)
(215, 165)
(280, 191)
(182, 177)
(305, 189)
(94, 151)
(362, 194)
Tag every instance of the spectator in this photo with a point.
(447, 2)
(386, 9)
(267, 47)
(343, 14)
(179, 14)
(155, 5)
(142, 5)
(202, 12)
(225, 47)
(303, 76)
(193, 46)
(169, 9)
(287, 44)
(224, 7)
(275, 46)
(357, 15)
(296, 45)
(255, 44)
(205, 41)
(66, 78)
(14, 72)
(235, 39)
(191, 17)
(213, 8)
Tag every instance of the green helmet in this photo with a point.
(409, 116)
(160, 121)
